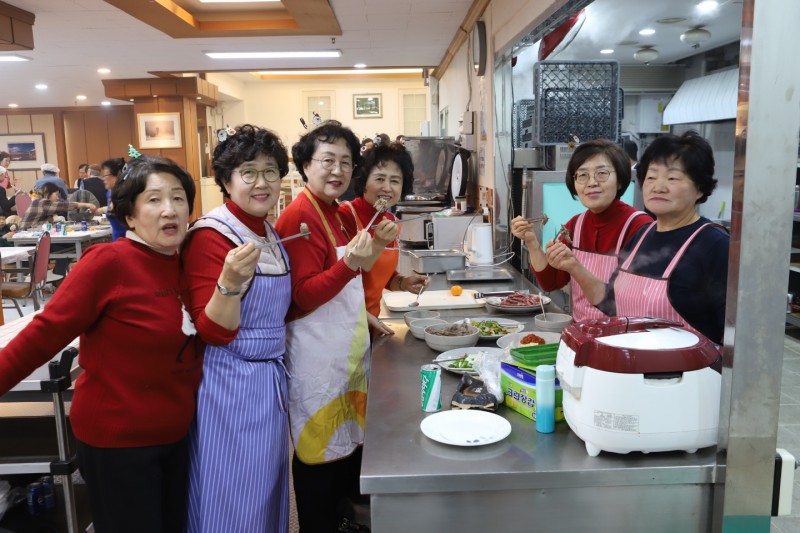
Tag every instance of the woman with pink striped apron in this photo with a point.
(599, 264)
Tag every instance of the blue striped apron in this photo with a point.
(239, 471)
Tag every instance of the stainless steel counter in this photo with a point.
(528, 480)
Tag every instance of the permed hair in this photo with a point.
(329, 132)
(133, 181)
(378, 157)
(245, 145)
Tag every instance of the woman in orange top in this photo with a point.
(387, 175)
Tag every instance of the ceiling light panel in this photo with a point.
(10, 58)
(275, 55)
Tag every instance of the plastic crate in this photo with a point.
(575, 99)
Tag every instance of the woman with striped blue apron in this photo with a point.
(239, 468)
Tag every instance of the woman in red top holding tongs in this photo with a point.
(599, 173)
(386, 176)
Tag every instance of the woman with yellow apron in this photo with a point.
(386, 176)
(327, 342)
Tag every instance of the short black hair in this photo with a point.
(245, 145)
(3, 155)
(693, 152)
(329, 132)
(133, 181)
(83, 166)
(379, 156)
(114, 165)
(613, 152)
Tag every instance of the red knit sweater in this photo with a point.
(140, 372)
(317, 274)
(600, 233)
(203, 255)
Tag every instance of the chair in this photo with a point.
(296, 183)
(23, 202)
(36, 277)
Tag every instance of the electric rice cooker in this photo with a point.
(639, 384)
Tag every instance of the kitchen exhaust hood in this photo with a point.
(705, 99)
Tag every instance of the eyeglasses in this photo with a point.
(329, 163)
(250, 175)
(601, 175)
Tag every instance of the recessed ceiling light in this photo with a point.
(41, 86)
(81, 97)
(342, 71)
(647, 31)
(13, 105)
(105, 102)
(607, 51)
(13, 58)
(103, 70)
(360, 65)
(199, 98)
(671, 20)
(707, 6)
(274, 55)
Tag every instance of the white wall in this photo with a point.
(278, 105)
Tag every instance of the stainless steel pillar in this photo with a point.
(767, 125)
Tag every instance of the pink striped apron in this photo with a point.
(601, 265)
(638, 295)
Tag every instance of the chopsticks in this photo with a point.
(263, 245)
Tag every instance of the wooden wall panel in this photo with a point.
(97, 142)
(121, 133)
(75, 141)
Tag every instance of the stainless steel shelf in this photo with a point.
(793, 320)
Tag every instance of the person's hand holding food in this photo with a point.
(386, 231)
(358, 251)
(239, 266)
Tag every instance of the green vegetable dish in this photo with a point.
(490, 328)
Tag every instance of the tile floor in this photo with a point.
(788, 426)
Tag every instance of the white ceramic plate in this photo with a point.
(511, 326)
(493, 302)
(465, 428)
(458, 352)
(513, 338)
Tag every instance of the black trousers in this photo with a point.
(319, 491)
(133, 490)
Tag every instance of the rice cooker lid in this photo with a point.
(636, 345)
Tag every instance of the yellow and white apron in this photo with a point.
(327, 356)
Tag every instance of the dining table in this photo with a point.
(80, 239)
(525, 481)
(15, 254)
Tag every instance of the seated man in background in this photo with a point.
(95, 185)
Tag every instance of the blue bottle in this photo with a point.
(545, 398)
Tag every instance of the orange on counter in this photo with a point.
(456, 290)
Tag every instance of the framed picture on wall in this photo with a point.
(159, 130)
(367, 106)
(26, 149)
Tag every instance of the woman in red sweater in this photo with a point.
(388, 175)
(135, 398)
(599, 173)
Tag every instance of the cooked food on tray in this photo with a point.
(531, 338)
(454, 330)
(491, 328)
(519, 299)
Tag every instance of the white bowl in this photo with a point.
(552, 321)
(420, 313)
(418, 326)
(443, 343)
